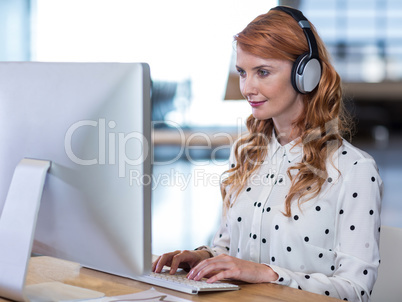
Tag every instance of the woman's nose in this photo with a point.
(248, 87)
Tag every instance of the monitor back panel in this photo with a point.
(92, 121)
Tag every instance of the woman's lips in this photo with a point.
(256, 104)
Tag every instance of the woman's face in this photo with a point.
(266, 85)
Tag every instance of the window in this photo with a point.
(14, 30)
(363, 36)
(185, 42)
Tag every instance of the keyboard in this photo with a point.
(179, 282)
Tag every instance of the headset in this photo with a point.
(306, 71)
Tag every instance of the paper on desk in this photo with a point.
(57, 291)
(151, 295)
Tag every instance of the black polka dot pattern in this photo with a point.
(311, 238)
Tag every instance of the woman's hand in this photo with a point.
(179, 259)
(228, 267)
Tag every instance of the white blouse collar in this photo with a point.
(292, 150)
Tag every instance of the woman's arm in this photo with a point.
(356, 248)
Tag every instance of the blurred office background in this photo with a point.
(197, 111)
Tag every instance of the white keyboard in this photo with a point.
(179, 282)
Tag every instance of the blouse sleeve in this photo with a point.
(221, 240)
(356, 243)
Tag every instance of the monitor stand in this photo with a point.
(17, 229)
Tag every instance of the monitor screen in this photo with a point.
(92, 121)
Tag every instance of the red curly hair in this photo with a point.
(321, 126)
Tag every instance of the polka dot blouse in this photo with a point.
(330, 244)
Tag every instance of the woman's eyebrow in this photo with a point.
(257, 67)
(262, 66)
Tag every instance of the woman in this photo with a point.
(301, 204)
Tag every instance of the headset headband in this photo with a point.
(305, 25)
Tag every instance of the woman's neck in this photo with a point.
(285, 135)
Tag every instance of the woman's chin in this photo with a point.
(259, 115)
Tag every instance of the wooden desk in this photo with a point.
(45, 269)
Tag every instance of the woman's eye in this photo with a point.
(263, 73)
(241, 72)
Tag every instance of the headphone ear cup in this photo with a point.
(295, 69)
(306, 73)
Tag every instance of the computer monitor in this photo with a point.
(92, 123)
